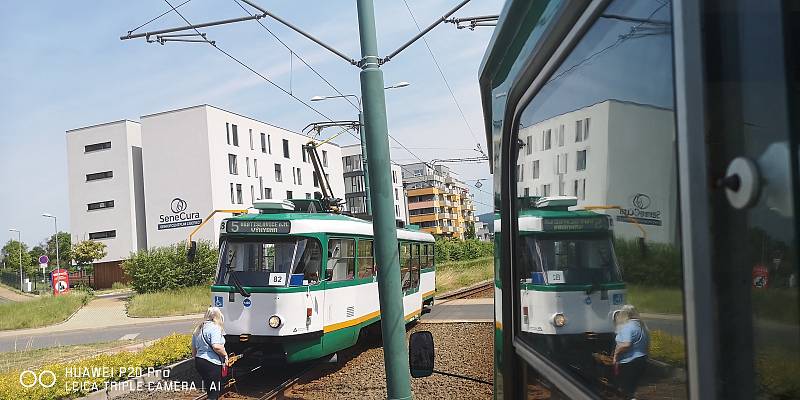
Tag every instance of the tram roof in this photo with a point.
(300, 222)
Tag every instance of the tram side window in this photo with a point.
(416, 262)
(310, 262)
(366, 259)
(405, 264)
(426, 260)
(341, 260)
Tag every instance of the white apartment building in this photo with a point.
(203, 158)
(355, 195)
(588, 153)
(106, 192)
(138, 185)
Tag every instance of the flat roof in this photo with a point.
(103, 124)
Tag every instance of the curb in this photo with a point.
(120, 389)
(456, 321)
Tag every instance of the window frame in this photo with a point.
(329, 279)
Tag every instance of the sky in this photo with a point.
(65, 67)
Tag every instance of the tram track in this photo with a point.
(466, 292)
(261, 383)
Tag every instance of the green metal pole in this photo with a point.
(376, 132)
(364, 162)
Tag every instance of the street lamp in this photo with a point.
(19, 240)
(55, 221)
(397, 85)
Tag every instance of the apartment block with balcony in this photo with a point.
(439, 203)
(355, 194)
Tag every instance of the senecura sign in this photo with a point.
(640, 211)
(180, 218)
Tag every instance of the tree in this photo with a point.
(35, 253)
(470, 231)
(64, 249)
(11, 253)
(88, 251)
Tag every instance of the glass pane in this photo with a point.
(753, 86)
(598, 268)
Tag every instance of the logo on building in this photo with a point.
(180, 218)
(178, 205)
(642, 211)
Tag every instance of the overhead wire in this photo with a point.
(162, 14)
(444, 78)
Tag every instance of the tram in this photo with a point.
(570, 282)
(295, 285)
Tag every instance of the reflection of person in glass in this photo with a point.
(630, 353)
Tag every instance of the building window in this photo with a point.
(581, 160)
(535, 169)
(263, 143)
(308, 195)
(289, 194)
(247, 161)
(315, 179)
(228, 132)
(96, 147)
(285, 148)
(233, 195)
(560, 135)
(100, 205)
(235, 131)
(294, 175)
(583, 189)
(233, 166)
(252, 194)
(396, 194)
(529, 144)
(520, 172)
(324, 158)
(251, 140)
(546, 190)
(575, 188)
(255, 168)
(299, 177)
(546, 137)
(267, 193)
(527, 192)
(269, 144)
(394, 177)
(396, 210)
(561, 186)
(586, 129)
(99, 175)
(102, 235)
(303, 152)
(278, 177)
(239, 194)
(561, 163)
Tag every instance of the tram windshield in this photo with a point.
(252, 261)
(561, 260)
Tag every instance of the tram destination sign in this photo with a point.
(574, 224)
(257, 226)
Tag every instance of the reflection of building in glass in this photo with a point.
(355, 194)
(483, 232)
(437, 202)
(611, 153)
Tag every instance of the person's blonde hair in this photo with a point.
(627, 313)
(213, 314)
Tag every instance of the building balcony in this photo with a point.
(434, 230)
(414, 219)
(423, 204)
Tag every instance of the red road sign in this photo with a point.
(760, 277)
(60, 281)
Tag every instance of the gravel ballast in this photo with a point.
(463, 349)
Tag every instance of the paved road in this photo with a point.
(146, 331)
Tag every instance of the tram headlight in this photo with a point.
(274, 321)
(559, 320)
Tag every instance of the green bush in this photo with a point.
(459, 250)
(164, 268)
(658, 265)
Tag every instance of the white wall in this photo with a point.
(186, 156)
(630, 151)
(124, 135)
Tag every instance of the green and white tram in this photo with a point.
(569, 279)
(297, 285)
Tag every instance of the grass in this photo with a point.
(457, 274)
(190, 300)
(46, 310)
(25, 359)
(776, 304)
(656, 300)
(116, 287)
(667, 348)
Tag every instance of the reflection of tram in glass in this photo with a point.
(569, 279)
